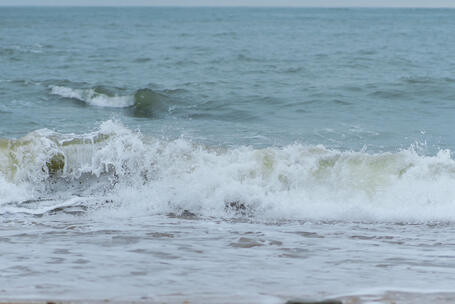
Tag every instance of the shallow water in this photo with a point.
(166, 258)
(227, 155)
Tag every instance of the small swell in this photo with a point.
(148, 103)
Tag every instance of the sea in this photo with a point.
(227, 155)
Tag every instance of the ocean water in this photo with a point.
(228, 155)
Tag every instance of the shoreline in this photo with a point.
(387, 297)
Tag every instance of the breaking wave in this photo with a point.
(46, 171)
(95, 97)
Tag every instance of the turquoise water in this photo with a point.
(344, 78)
(239, 155)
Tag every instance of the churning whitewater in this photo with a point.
(129, 170)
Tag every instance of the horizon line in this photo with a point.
(226, 6)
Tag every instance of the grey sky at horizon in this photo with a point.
(292, 3)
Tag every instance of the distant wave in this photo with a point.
(143, 102)
(20, 49)
(291, 182)
(94, 97)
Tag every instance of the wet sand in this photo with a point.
(389, 297)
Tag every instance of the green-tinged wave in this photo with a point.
(42, 154)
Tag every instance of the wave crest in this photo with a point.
(97, 96)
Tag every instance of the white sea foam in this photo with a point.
(91, 97)
(291, 182)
